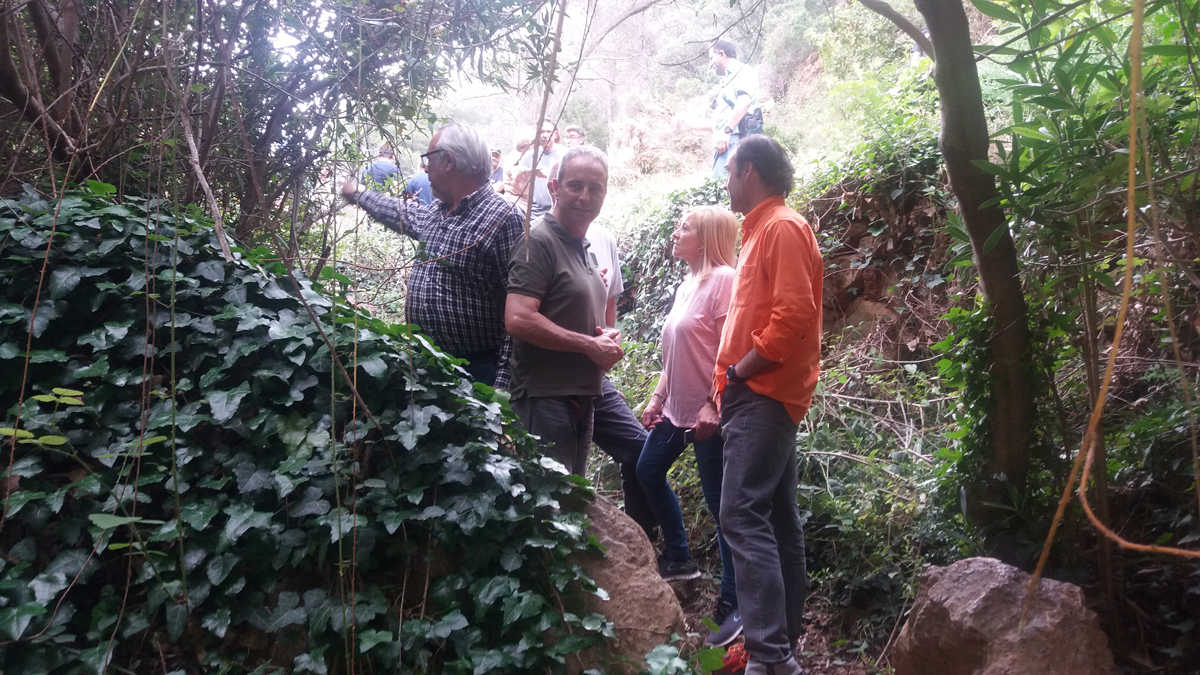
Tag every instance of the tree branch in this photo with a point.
(885, 10)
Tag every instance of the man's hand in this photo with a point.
(652, 415)
(720, 145)
(707, 422)
(606, 348)
(350, 190)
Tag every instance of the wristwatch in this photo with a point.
(729, 130)
(732, 376)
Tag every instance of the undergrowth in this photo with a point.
(190, 484)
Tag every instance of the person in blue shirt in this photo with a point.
(418, 186)
(382, 173)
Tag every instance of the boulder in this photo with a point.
(642, 606)
(966, 621)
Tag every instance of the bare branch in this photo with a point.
(885, 10)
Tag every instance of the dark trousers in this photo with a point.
(619, 434)
(565, 422)
(664, 445)
(483, 366)
(761, 521)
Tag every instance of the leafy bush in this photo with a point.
(190, 483)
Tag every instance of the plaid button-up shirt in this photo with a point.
(456, 290)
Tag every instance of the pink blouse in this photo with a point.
(690, 338)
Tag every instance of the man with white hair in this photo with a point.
(456, 291)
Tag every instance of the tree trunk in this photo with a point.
(964, 139)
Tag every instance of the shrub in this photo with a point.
(190, 483)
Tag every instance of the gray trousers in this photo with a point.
(761, 521)
(564, 422)
(621, 436)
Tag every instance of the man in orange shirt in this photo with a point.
(766, 371)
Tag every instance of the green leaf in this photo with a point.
(46, 586)
(224, 404)
(368, 639)
(52, 441)
(995, 237)
(996, 11)
(100, 188)
(243, 518)
(219, 567)
(14, 620)
(19, 433)
(107, 521)
(176, 620)
(63, 281)
(1173, 51)
(453, 621)
(217, 621)
(61, 391)
(198, 514)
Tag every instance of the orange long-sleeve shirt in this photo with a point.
(776, 307)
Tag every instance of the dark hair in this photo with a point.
(770, 162)
(726, 47)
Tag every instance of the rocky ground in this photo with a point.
(818, 651)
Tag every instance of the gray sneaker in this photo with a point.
(729, 626)
(789, 667)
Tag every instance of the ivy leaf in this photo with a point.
(224, 404)
(14, 620)
(448, 624)
(46, 586)
(213, 270)
(64, 279)
(98, 368)
(496, 588)
(375, 366)
(219, 567)
(368, 639)
(520, 606)
(106, 335)
(415, 424)
(217, 621)
(242, 518)
(341, 522)
(176, 620)
(198, 514)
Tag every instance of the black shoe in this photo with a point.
(677, 570)
(729, 626)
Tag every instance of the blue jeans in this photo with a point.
(758, 506)
(663, 446)
(720, 159)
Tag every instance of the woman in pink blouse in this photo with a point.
(705, 239)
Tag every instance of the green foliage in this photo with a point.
(189, 481)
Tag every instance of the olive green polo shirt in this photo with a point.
(563, 274)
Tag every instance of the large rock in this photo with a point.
(965, 621)
(641, 605)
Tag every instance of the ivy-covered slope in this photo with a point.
(193, 487)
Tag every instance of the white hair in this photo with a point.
(470, 152)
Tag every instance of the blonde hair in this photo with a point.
(717, 229)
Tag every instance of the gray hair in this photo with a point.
(470, 152)
(585, 151)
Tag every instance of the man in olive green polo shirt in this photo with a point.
(555, 312)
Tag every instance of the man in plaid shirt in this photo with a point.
(456, 290)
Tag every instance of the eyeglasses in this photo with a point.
(425, 157)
